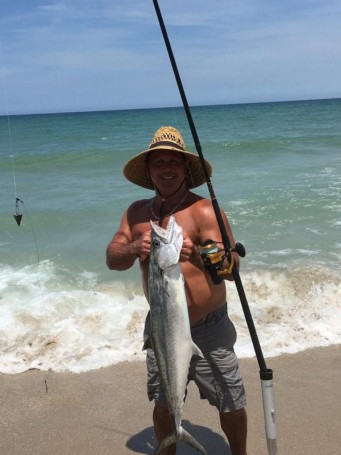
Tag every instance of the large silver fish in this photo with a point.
(170, 336)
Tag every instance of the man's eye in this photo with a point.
(173, 163)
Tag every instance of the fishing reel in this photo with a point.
(213, 259)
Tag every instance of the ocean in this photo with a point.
(276, 173)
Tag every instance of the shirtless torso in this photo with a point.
(197, 219)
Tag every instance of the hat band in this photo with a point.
(166, 144)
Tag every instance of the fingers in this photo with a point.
(187, 249)
(142, 244)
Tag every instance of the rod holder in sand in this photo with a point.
(269, 411)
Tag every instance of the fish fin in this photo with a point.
(184, 436)
(196, 351)
(148, 344)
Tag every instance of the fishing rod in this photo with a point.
(266, 374)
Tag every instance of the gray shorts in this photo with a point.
(217, 375)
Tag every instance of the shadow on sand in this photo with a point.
(145, 441)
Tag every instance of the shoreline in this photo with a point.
(107, 410)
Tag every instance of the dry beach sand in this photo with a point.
(107, 412)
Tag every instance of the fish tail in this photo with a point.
(166, 442)
(191, 441)
(182, 435)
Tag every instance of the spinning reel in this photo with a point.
(213, 259)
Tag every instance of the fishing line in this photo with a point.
(19, 202)
(41, 291)
(18, 215)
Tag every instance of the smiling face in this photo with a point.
(167, 170)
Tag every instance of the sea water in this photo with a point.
(276, 173)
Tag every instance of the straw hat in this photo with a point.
(165, 138)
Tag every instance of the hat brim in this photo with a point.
(136, 169)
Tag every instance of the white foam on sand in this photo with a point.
(52, 320)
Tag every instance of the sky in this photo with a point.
(80, 55)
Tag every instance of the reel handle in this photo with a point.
(239, 249)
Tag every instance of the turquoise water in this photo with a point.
(276, 172)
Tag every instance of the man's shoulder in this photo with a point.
(140, 204)
(139, 210)
(199, 203)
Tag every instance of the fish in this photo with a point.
(170, 336)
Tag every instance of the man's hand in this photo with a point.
(187, 249)
(142, 245)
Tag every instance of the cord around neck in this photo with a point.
(162, 215)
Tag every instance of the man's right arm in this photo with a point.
(122, 251)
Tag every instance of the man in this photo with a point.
(171, 171)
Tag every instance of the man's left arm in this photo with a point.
(209, 230)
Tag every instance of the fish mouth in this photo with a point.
(168, 243)
(165, 234)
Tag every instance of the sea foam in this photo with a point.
(51, 320)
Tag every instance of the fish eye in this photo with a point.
(156, 243)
